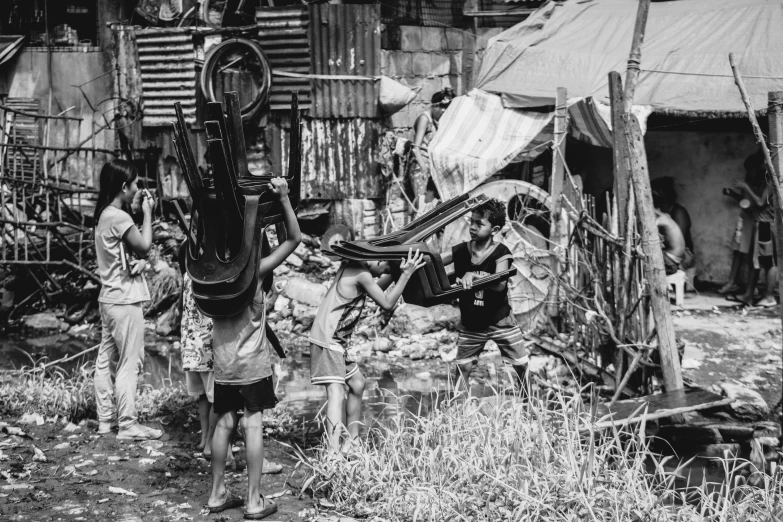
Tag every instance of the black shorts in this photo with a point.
(256, 396)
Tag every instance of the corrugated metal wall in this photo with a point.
(345, 40)
(168, 74)
(339, 157)
(282, 32)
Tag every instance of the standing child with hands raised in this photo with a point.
(334, 323)
(243, 378)
(123, 290)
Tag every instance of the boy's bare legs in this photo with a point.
(253, 428)
(203, 417)
(353, 407)
(769, 292)
(335, 410)
(211, 424)
(463, 376)
(747, 297)
(220, 445)
(521, 381)
(736, 264)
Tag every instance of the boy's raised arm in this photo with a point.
(387, 302)
(287, 247)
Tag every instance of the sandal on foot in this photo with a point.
(728, 289)
(231, 502)
(270, 508)
(146, 433)
(271, 468)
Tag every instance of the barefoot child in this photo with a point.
(334, 322)
(485, 315)
(196, 341)
(243, 380)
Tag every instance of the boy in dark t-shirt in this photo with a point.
(486, 314)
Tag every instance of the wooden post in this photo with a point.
(654, 270)
(618, 138)
(556, 190)
(635, 58)
(775, 115)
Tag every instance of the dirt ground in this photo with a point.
(165, 480)
(726, 343)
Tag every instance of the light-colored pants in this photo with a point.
(123, 332)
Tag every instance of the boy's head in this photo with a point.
(487, 220)
(378, 268)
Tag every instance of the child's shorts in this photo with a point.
(506, 334)
(256, 396)
(201, 383)
(330, 365)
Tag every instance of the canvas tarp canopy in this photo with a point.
(685, 71)
(477, 137)
(685, 64)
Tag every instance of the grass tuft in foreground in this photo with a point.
(536, 460)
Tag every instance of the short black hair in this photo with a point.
(494, 211)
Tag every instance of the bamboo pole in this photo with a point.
(775, 115)
(558, 171)
(618, 138)
(635, 57)
(653, 254)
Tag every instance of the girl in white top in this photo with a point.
(123, 290)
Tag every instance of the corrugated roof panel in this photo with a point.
(282, 33)
(346, 40)
(168, 74)
(339, 158)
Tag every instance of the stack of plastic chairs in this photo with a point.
(231, 208)
(430, 284)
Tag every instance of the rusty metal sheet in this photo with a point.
(345, 40)
(282, 33)
(339, 158)
(168, 74)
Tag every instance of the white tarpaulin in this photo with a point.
(685, 64)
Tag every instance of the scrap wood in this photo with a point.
(651, 407)
(585, 367)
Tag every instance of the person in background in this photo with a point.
(758, 190)
(744, 231)
(123, 290)
(243, 378)
(337, 316)
(672, 242)
(197, 358)
(426, 202)
(425, 127)
(665, 199)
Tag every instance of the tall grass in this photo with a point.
(504, 459)
(56, 392)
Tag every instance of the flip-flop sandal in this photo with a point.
(272, 468)
(733, 298)
(150, 434)
(231, 502)
(270, 508)
(730, 290)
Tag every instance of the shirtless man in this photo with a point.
(672, 241)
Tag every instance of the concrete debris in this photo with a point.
(748, 404)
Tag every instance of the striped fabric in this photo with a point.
(588, 125)
(477, 137)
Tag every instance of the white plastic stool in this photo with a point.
(677, 280)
